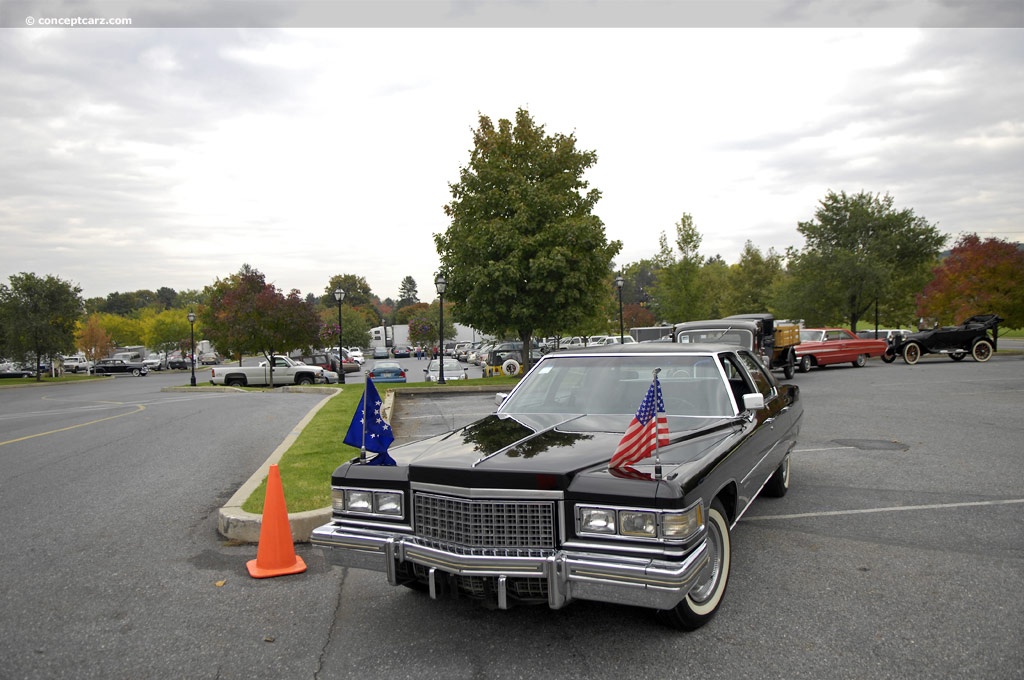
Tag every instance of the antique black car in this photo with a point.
(977, 336)
(524, 507)
(111, 366)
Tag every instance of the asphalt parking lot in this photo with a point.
(899, 550)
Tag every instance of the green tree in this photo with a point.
(357, 291)
(524, 252)
(167, 330)
(355, 326)
(407, 293)
(752, 280)
(858, 250)
(674, 294)
(39, 316)
(978, 277)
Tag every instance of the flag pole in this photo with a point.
(657, 406)
(362, 449)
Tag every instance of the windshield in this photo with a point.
(449, 365)
(691, 385)
(728, 336)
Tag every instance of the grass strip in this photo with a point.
(307, 465)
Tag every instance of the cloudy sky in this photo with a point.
(173, 151)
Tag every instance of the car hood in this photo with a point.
(553, 451)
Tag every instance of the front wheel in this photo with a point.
(982, 350)
(958, 356)
(911, 353)
(305, 380)
(805, 363)
(860, 361)
(889, 356)
(701, 603)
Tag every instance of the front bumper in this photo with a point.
(636, 581)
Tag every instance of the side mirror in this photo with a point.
(500, 397)
(753, 401)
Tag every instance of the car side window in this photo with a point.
(762, 382)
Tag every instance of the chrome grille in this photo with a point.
(498, 524)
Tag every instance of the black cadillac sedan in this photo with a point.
(612, 474)
(112, 366)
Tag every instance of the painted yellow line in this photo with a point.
(138, 409)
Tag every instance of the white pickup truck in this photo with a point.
(286, 372)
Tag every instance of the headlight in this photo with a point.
(357, 500)
(597, 520)
(642, 523)
(638, 523)
(388, 503)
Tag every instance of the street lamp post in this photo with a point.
(619, 281)
(442, 286)
(339, 295)
(192, 358)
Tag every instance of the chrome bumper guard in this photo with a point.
(642, 582)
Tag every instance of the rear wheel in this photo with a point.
(701, 603)
(136, 372)
(860, 361)
(778, 483)
(911, 353)
(805, 363)
(982, 350)
(235, 382)
(790, 367)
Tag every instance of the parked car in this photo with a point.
(113, 366)
(381, 353)
(977, 336)
(154, 362)
(330, 377)
(614, 340)
(887, 334)
(524, 506)
(453, 370)
(77, 364)
(209, 359)
(387, 371)
(178, 362)
(825, 346)
(356, 354)
(401, 351)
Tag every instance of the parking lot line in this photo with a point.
(897, 508)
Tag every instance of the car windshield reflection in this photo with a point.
(691, 385)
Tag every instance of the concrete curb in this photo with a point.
(239, 525)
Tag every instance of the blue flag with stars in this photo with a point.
(368, 429)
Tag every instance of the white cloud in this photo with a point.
(172, 157)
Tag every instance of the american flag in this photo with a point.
(645, 432)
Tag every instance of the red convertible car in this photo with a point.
(824, 346)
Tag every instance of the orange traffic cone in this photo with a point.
(275, 555)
